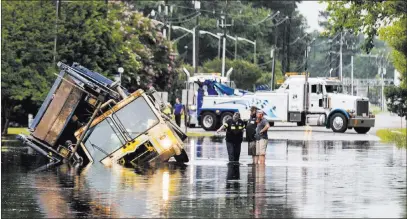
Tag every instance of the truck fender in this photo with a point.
(327, 123)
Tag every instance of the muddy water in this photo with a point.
(300, 179)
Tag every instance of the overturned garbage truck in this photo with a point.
(88, 118)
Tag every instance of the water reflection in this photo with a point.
(300, 179)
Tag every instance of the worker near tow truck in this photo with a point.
(234, 136)
(251, 134)
(261, 137)
(178, 110)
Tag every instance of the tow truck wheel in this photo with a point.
(339, 123)
(225, 117)
(209, 121)
(362, 130)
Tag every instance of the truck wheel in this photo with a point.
(339, 123)
(362, 130)
(300, 124)
(209, 121)
(225, 117)
(271, 124)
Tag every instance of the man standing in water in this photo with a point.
(261, 137)
(251, 134)
(178, 110)
(234, 136)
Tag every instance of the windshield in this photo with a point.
(136, 117)
(103, 140)
(333, 88)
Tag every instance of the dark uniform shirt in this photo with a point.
(251, 129)
(234, 130)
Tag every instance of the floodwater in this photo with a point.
(301, 179)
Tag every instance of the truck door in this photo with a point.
(316, 103)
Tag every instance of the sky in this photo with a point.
(310, 10)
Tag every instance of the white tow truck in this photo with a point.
(212, 100)
(302, 100)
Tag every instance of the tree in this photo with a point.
(87, 35)
(245, 74)
(397, 102)
(249, 22)
(27, 43)
(384, 18)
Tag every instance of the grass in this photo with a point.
(200, 134)
(397, 136)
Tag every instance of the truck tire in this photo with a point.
(225, 117)
(209, 121)
(339, 123)
(300, 124)
(271, 124)
(362, 130)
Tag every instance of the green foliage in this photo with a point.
(397, 100)
(245, 74)
(396, 36)
(397, 136)
(86, 34)
(245, 14)
(384, 18)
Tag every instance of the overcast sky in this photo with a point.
(310, 10)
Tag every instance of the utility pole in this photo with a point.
(351, 75)
(224, 25)
(197, 6)
(273, 67)
(340, 59)
(58, 5)
(330, 55)
(167, 24)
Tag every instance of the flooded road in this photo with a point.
(300, 179)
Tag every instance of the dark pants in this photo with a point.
(178, 119)
(234, 150)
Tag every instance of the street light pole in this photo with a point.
(197, 6)
(340, 59)
(351, 75)
(194, 50)
(273, 67)
(56, 31)
(193, 31)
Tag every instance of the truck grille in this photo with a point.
(362, 106)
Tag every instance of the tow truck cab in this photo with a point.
(323, 98)
(213, 100)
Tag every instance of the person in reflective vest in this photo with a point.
(251, 134)
(234, 136)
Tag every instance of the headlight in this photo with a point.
(166, 143)
(192, 107)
